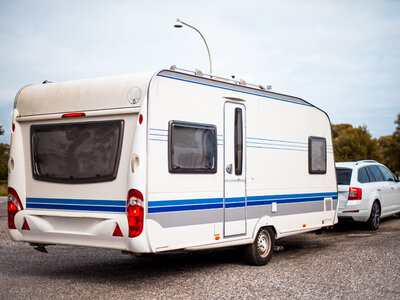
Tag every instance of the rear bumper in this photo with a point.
(76, 228)
(353, 213)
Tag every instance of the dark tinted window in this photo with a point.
(316, 155)
(343, 176)
(238, 141)
(387, 175)
(192, 148)
(375, 172)
(362, 175)
(371, 177)
(76, 152)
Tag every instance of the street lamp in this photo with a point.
(179, 24)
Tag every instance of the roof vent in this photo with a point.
(47, 81)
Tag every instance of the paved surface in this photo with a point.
(3, 206)
(348, 263)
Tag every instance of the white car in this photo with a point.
(367, 192)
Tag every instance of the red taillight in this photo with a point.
(355, 194)
(14, 206)
(73, 115)
(135, 212)
(140, 119)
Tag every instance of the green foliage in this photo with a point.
(389, 146)
(352, 144)
(4, 153)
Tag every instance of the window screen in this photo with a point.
(238, 141)
(192, 148)
(76, 152)
(316, 155)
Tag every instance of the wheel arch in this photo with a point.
(265, 221)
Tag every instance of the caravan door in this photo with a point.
(235, 169)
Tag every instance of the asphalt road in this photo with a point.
(347, 263)
(3, 207)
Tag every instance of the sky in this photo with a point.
(342, 56)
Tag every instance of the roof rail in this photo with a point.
(241, 82)
(366, 161)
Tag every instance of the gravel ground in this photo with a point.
(347, 263)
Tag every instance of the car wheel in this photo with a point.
(374, 217)
(260, 251)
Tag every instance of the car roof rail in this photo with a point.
(366, 161)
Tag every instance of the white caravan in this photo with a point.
(154, 162)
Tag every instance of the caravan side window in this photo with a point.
(192, 148)
(316, 155)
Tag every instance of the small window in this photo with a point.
(343, 176)
(192, 148)
(238, 141)
(375, 172)
(363, 176)
(316, 155)
(387, 175)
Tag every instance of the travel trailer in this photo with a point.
(154, 162)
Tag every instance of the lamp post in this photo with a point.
(179, 24)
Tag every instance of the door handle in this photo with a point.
(229, 168)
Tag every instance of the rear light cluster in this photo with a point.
(135, 212)
(355, 193)
(14, 206)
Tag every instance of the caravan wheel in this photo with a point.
(260, 251)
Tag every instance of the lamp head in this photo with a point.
(178, 24)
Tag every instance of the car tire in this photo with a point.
(374, 217)
(260, 251)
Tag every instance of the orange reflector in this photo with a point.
(25, 226)
(117, 231)
(217, 237)
(73, 115)
(304, 225)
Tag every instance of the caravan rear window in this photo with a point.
(192, 148)
(76, 152)
(316, 155)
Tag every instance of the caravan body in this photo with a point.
(156, 162)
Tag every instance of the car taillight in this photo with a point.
(135, 212)
(355, 193)
(14, 206)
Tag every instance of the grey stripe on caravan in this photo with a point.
(231, 86)
(185, 218)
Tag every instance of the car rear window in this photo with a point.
(343, 176)
(76, 152)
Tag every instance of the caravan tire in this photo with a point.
(260, 251)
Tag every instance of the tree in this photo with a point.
(4, 153)
(352, 144)
(389, 147)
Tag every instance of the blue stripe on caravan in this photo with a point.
(76, 207)
(77, 204)
(212, 203)
(76, 201)
(184, 207)
(235, 90)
